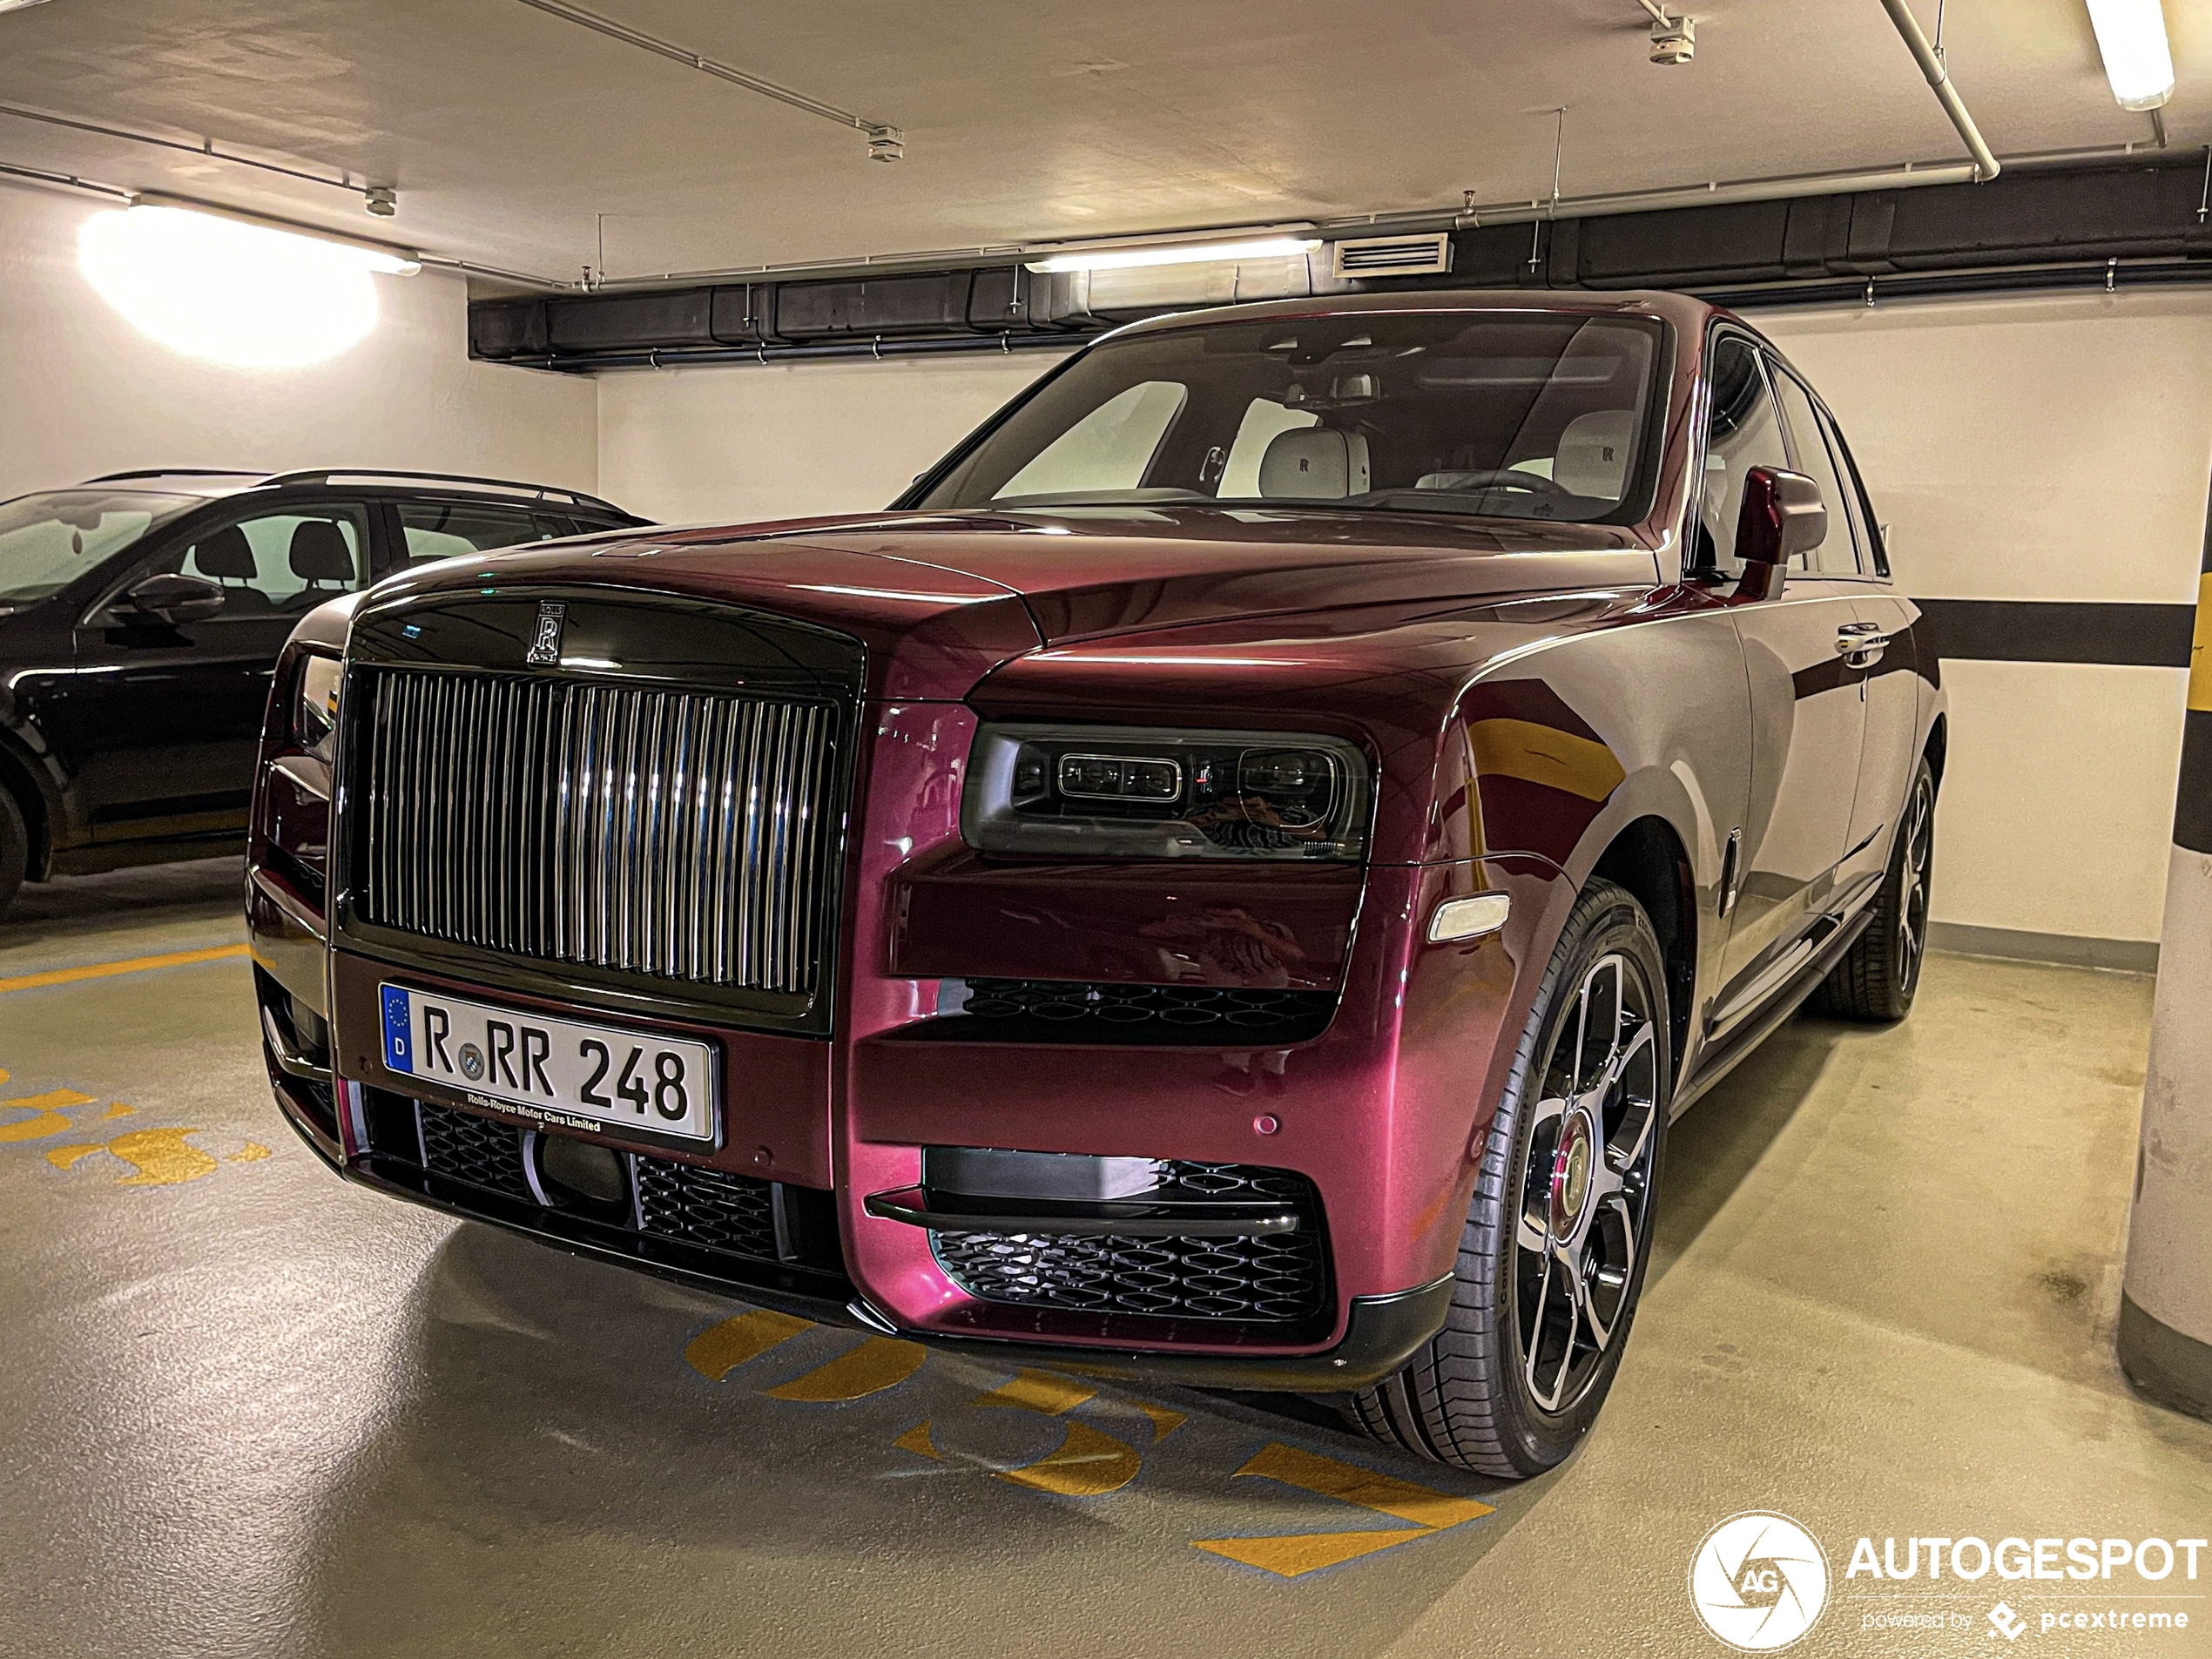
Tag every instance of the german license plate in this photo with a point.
(560, 1071)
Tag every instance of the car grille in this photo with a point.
(678, 836)
(1077, 1011)
(732, 1213)
(705, 1207)
(463, 1147)
(1278, 1278)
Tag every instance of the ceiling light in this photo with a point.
(1124, 258)
(2131, 37)
(231, 291)
(17, 5)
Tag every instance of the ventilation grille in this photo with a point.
(707, 1207)
(674, 836)
(1393, 256)
(1027, 1010)
(1280, 1278)
(463, 1147)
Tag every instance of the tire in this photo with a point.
(15, 848)
(1471, 1396)
(1880, 974)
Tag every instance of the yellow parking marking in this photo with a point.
(1305, 1553)
(116, 1111)
(916, 1440)
(132, 965)
(1038, 1391)
(1164, 1422)
(49, 1119)
(878, 1364)
(251, 1152)
(62, 1156)
(1384, 1493)
(1289, 1555)
(1088, 1464)
(720, 1349)
(160, 1157)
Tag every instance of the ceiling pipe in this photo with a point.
(1985, 163)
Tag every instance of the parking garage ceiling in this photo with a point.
(517, 138)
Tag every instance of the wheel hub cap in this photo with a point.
(1571, 1174)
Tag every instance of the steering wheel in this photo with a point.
(1478, 479)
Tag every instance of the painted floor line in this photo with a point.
(106, 970)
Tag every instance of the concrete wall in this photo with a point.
(2053, 448)
(82, 391)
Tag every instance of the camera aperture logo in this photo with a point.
(1758, 1582)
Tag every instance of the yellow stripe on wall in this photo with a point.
(2200, 649)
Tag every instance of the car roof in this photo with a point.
(1679, 308)
(215, 481)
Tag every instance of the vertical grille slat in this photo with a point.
(675, 836)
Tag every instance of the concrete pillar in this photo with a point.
(2166, 1304)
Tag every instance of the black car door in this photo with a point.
(1808, 722)
(163, 720)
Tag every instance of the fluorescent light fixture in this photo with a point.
(1125, 258)
(231, 291)
(2131, 37)
(17, 5)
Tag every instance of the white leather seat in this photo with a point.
(1594, 453)
(1314, 463)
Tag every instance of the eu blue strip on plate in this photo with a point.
(397, 1030)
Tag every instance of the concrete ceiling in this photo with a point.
(508, 131)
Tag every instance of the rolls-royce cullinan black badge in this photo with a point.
(1229, 880)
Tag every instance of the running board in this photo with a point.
(1718, 1061)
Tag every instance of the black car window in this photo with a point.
(446, 530)
(279, 561)
(1741, 432)
(1529, 415)
(1862, 505)
(47, 541)
(1836, 554)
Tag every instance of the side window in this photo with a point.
(277, 564)
(1108, 451)
(1862, 504)
(1836, 555)
(1265, 420)
(1743, 433)
(446, 530)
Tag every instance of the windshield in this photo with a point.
(47, 541)
(1519, 415)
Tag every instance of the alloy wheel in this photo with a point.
(1912, 906)
(1586, 1185)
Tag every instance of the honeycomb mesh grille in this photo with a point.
(705, 1207)
(1278, 1278)
(463, 1147)
(1079, 1011)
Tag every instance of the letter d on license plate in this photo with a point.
(563, 1071)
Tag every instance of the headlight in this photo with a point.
(1117, 791)
(314, 705)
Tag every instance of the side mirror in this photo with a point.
(173, 598)
(1782, 518)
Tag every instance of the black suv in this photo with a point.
(141, 614)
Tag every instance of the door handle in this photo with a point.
(1861, 644)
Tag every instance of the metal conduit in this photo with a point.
(1985, 163)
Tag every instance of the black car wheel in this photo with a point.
(1553, 1257)
(15, 848)
(1881, 973)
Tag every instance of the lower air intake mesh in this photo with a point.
(705, 1207)
(1278, 1278)
(1029, 1010)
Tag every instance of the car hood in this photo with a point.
(941, 600)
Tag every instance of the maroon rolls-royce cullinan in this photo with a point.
(1227, 882)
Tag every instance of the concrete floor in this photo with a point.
(246, 1410)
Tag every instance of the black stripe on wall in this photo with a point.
(2049, 630)
(2192, 800)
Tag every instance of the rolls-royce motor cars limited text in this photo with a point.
(1227, 882)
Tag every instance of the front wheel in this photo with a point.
(1880, 973)
(1553, 1255)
